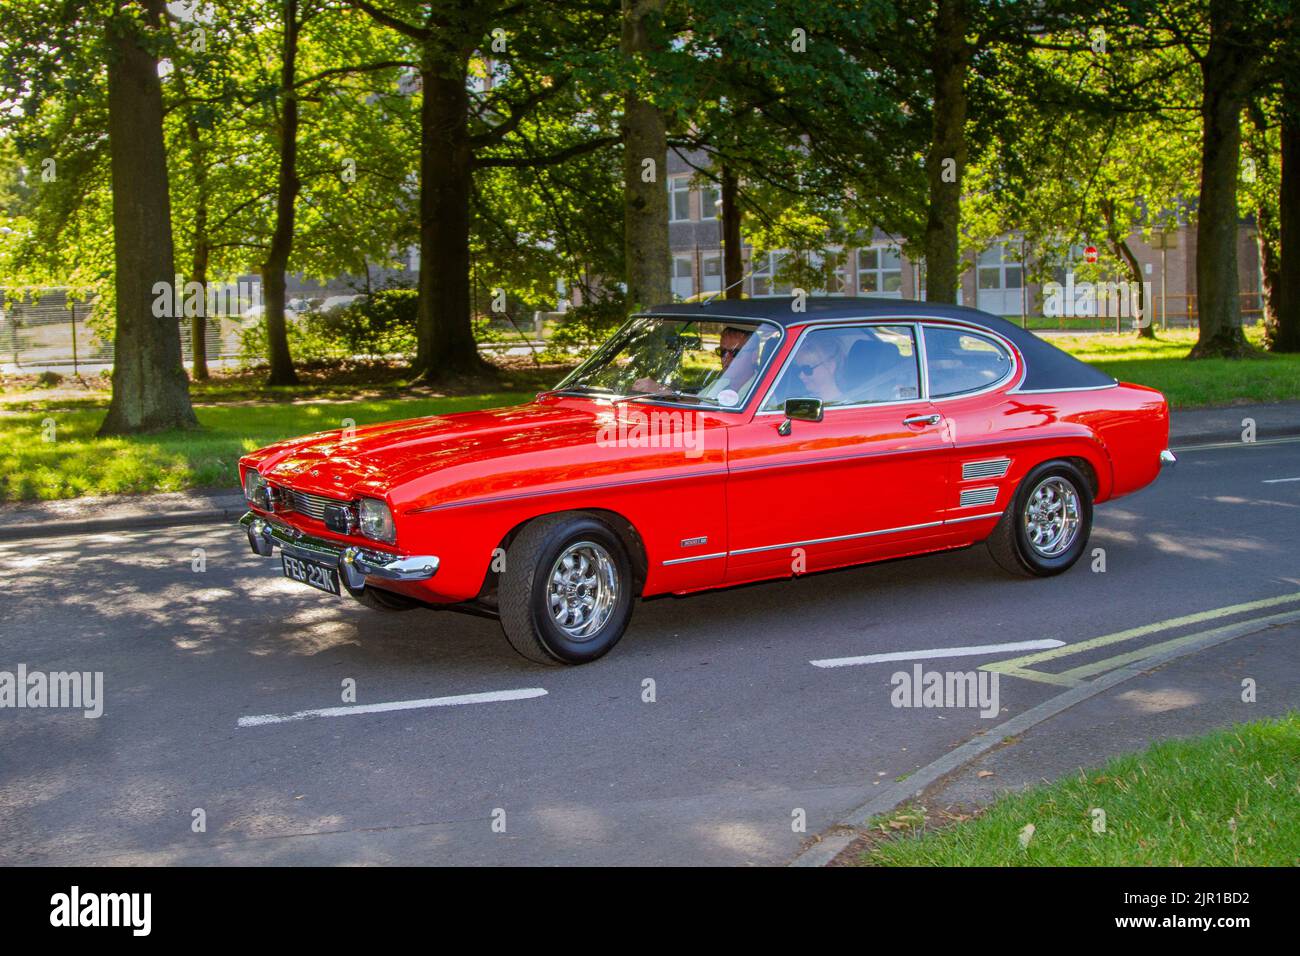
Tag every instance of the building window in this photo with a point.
(999, 278)
(833, 272)
(710, 199)
(711, 272)
(679, 198)
(998, 267)
(880, 272)
(767, 281)
(683, 277)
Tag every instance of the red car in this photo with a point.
(709, 445)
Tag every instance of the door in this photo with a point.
(868, 481)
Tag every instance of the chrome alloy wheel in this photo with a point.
(583, 589)
(1052, 516)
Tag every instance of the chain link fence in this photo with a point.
(50, 330)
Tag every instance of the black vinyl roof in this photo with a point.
(1047, 366)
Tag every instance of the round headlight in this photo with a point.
(377, 521)
(252, 484)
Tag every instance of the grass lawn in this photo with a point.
(1225, 799)
(77, 463)
(1161, 363)
(238, 413)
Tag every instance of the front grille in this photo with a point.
(313, 506)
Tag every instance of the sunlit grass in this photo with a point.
(76, 463)
(1162, 363)
(1224, 799)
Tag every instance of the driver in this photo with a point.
(739, 369)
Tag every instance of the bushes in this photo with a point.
(382, 323)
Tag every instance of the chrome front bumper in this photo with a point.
(354, 564)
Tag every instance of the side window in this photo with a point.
(854, 366)
(960, 361)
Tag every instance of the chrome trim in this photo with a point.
(354, 564)
(842, 537)
(698, 557)
(1006, 345)
(1168, 459)
(839, 537)
(931, 419)
(916, 355)
(1048, 391)
(307, 503)
(978, 496)
(985, 468)
(991, 514)
(697, 406)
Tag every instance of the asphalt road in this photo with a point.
(743, 735)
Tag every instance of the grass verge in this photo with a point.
(1161, 363)
(1228, 798)
(76, 463)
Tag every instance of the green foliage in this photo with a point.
(382, 323)
(586, 326)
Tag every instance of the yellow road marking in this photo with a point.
(1019, 666)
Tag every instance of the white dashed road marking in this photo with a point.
(936, 652)
(524, 693)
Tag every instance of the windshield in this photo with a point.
(678, 359)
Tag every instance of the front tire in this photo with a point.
(1047, 526)
(565, 596)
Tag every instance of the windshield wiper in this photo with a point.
(669, 395)
(581, 389)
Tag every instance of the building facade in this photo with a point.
(993, 280)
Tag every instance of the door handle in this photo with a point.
(922, 420)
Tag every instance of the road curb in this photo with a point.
(839, 836)
(27, 531)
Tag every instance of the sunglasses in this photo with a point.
(809, 369)
(725, 352)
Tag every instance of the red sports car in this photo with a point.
(710, 445)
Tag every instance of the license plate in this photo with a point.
(320, 576)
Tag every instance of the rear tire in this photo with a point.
(565, 595)
(1046, 527)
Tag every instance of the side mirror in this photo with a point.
(801, 410)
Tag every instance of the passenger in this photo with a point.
(816, 367)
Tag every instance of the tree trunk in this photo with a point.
(445, 345)
(286, 196)
(199, 322)
(645, 204)
(733, 259)
(1226, 73)
(150, 390)
(1266, 245)
(200, 251)
(1119, 244)
(1287, 335)
(946, 161)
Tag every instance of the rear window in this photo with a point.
(960, 361)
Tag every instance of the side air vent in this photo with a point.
(989, 468)
(978, 496)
